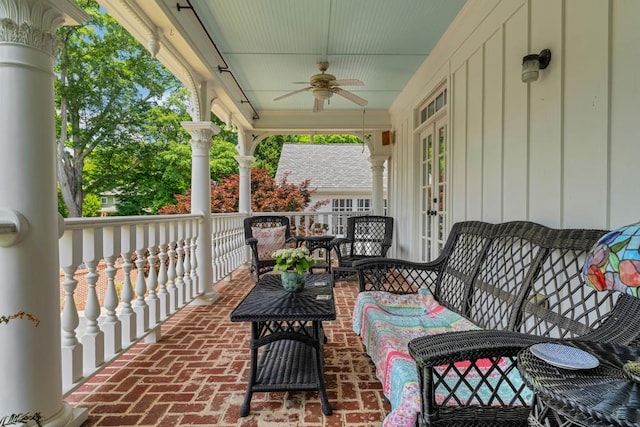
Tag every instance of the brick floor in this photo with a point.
(196, 375)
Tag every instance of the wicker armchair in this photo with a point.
(367, 237)
(265, 234)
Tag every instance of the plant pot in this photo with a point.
(292, 281)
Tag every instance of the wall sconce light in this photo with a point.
(532, 64)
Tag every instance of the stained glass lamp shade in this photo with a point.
(614, 262)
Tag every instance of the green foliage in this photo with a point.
(62, 207)
(267, 153)
(110, 94)
(298, 259)
(223, 162)
(91, 205)
(329, 139)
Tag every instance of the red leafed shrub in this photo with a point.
(267, 195)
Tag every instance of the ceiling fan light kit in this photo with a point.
(322, 94)
(323, 85)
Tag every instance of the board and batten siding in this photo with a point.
(564, 150)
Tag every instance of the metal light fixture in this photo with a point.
(532, 64)
(322, 93)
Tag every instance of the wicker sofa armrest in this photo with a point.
(471, 377)
(396, 275)
(452, 347)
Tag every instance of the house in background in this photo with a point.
(340, 173)
(108, 203)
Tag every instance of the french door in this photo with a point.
(434, 187)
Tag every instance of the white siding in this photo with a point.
(563, 150)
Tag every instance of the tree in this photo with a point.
(107, 86)
(91, 205)
(267, 195)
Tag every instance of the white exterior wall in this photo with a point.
(562, 151)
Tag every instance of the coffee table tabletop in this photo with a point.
(268, 301)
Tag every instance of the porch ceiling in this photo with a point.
(268, 45)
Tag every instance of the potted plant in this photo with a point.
(292, 262)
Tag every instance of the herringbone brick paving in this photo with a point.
(197, 374)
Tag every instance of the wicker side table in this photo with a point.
(320, 243)
(287, 337)
(602, 396)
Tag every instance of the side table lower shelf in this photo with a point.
(288, 365)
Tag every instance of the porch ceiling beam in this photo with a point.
(330, 121)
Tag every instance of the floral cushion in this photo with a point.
(387, 322)
(269, 240)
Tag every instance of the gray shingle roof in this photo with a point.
(326, 165)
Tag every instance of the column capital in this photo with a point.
(245, 161)
(378, 161)
(34, 23)
(201, 133)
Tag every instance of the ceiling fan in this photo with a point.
(324, 85)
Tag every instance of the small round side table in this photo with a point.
(603, 396)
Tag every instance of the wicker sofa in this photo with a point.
(444, 335)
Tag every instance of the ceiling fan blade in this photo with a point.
(347, 82)
(292, 93)
(350, 96)
(318, 105)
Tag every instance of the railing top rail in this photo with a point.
(80, 223)
(315, 213)
(229, 214)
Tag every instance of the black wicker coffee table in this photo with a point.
(600, 396)
(286, 336)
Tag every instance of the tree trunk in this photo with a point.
(66, 171)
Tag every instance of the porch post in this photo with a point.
(377, 170)
(201, 134)
(244, 163)
(30, 336)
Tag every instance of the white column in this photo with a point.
(244, 167)
(377, 171)
(31, 344)
(201, 134)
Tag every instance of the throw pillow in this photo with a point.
(269, 240)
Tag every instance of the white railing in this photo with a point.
(228, 251)
(122, 277)
(333, 222)
(134, 273)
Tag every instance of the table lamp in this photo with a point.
(614, 263)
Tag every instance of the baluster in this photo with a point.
(224, 257)
(93, 338)
(127, 315)
(153, 302)
(140, 306)
(173, 290)
(71, 347)
(195, 279)
(187, 269)
(214, 248)
(180, 273)
(111, 326)
(163, 294)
